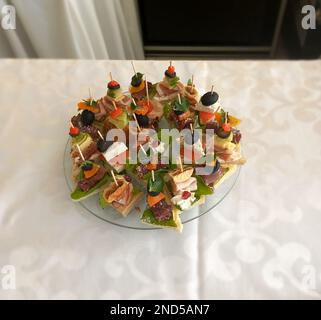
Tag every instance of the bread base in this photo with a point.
(125, 210)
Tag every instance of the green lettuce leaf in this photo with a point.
(136, 79)
(181, 107)
(136, 190)
(202, 188)
(167, 109)
(78, 194)
(155, 186)
(149, 218)
(152, 91)
(130, 167)
(172, 81)
(87, 102)
(102, 202)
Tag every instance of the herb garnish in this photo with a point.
(137, 79)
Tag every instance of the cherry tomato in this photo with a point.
(171, 69)
(113, 84)
(74, 131)
(226, 127)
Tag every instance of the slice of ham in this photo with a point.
(102, 110)
(87, 153)
(189, 185)
(157, 111)
(123, 101)
(106, 106)
(120, 195)
(126, 196)
(230, 156)
(210, 179)
(165, 92)
(192, 98)
(223, 154)
(126, 101)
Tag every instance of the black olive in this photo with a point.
(212, 125)
(217, 166)
(209, 98)
(153, 193)
(178, 112)
(142, 120)
(87, 166)
(170, 75)
(137, 79)
(136, 82)
(222, 133)
(192, 138)
(87, 117)
(103, 145)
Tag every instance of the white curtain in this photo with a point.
(86, 29)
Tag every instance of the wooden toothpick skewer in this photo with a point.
(143, 150)
(179, 98)
(134, 102)
(191, 126)
(134, 68)
(114, 178)
(180, 164)
(90, 97)
(170, 63)
(71, 124)
(100, 135)
(153, 175)
(138, 126)
(111, 77)
(192, 84)
(212, 90)
(146, 87)
(81, 154)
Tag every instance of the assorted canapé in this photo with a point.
(103, 166)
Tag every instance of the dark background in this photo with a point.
(229, 29)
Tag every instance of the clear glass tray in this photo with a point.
(133, 219)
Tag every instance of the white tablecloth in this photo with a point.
(262, 241)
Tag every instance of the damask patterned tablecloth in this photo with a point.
(262, 241)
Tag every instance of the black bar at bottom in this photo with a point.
(133, 309)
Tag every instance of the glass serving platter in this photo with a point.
(132, 221)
